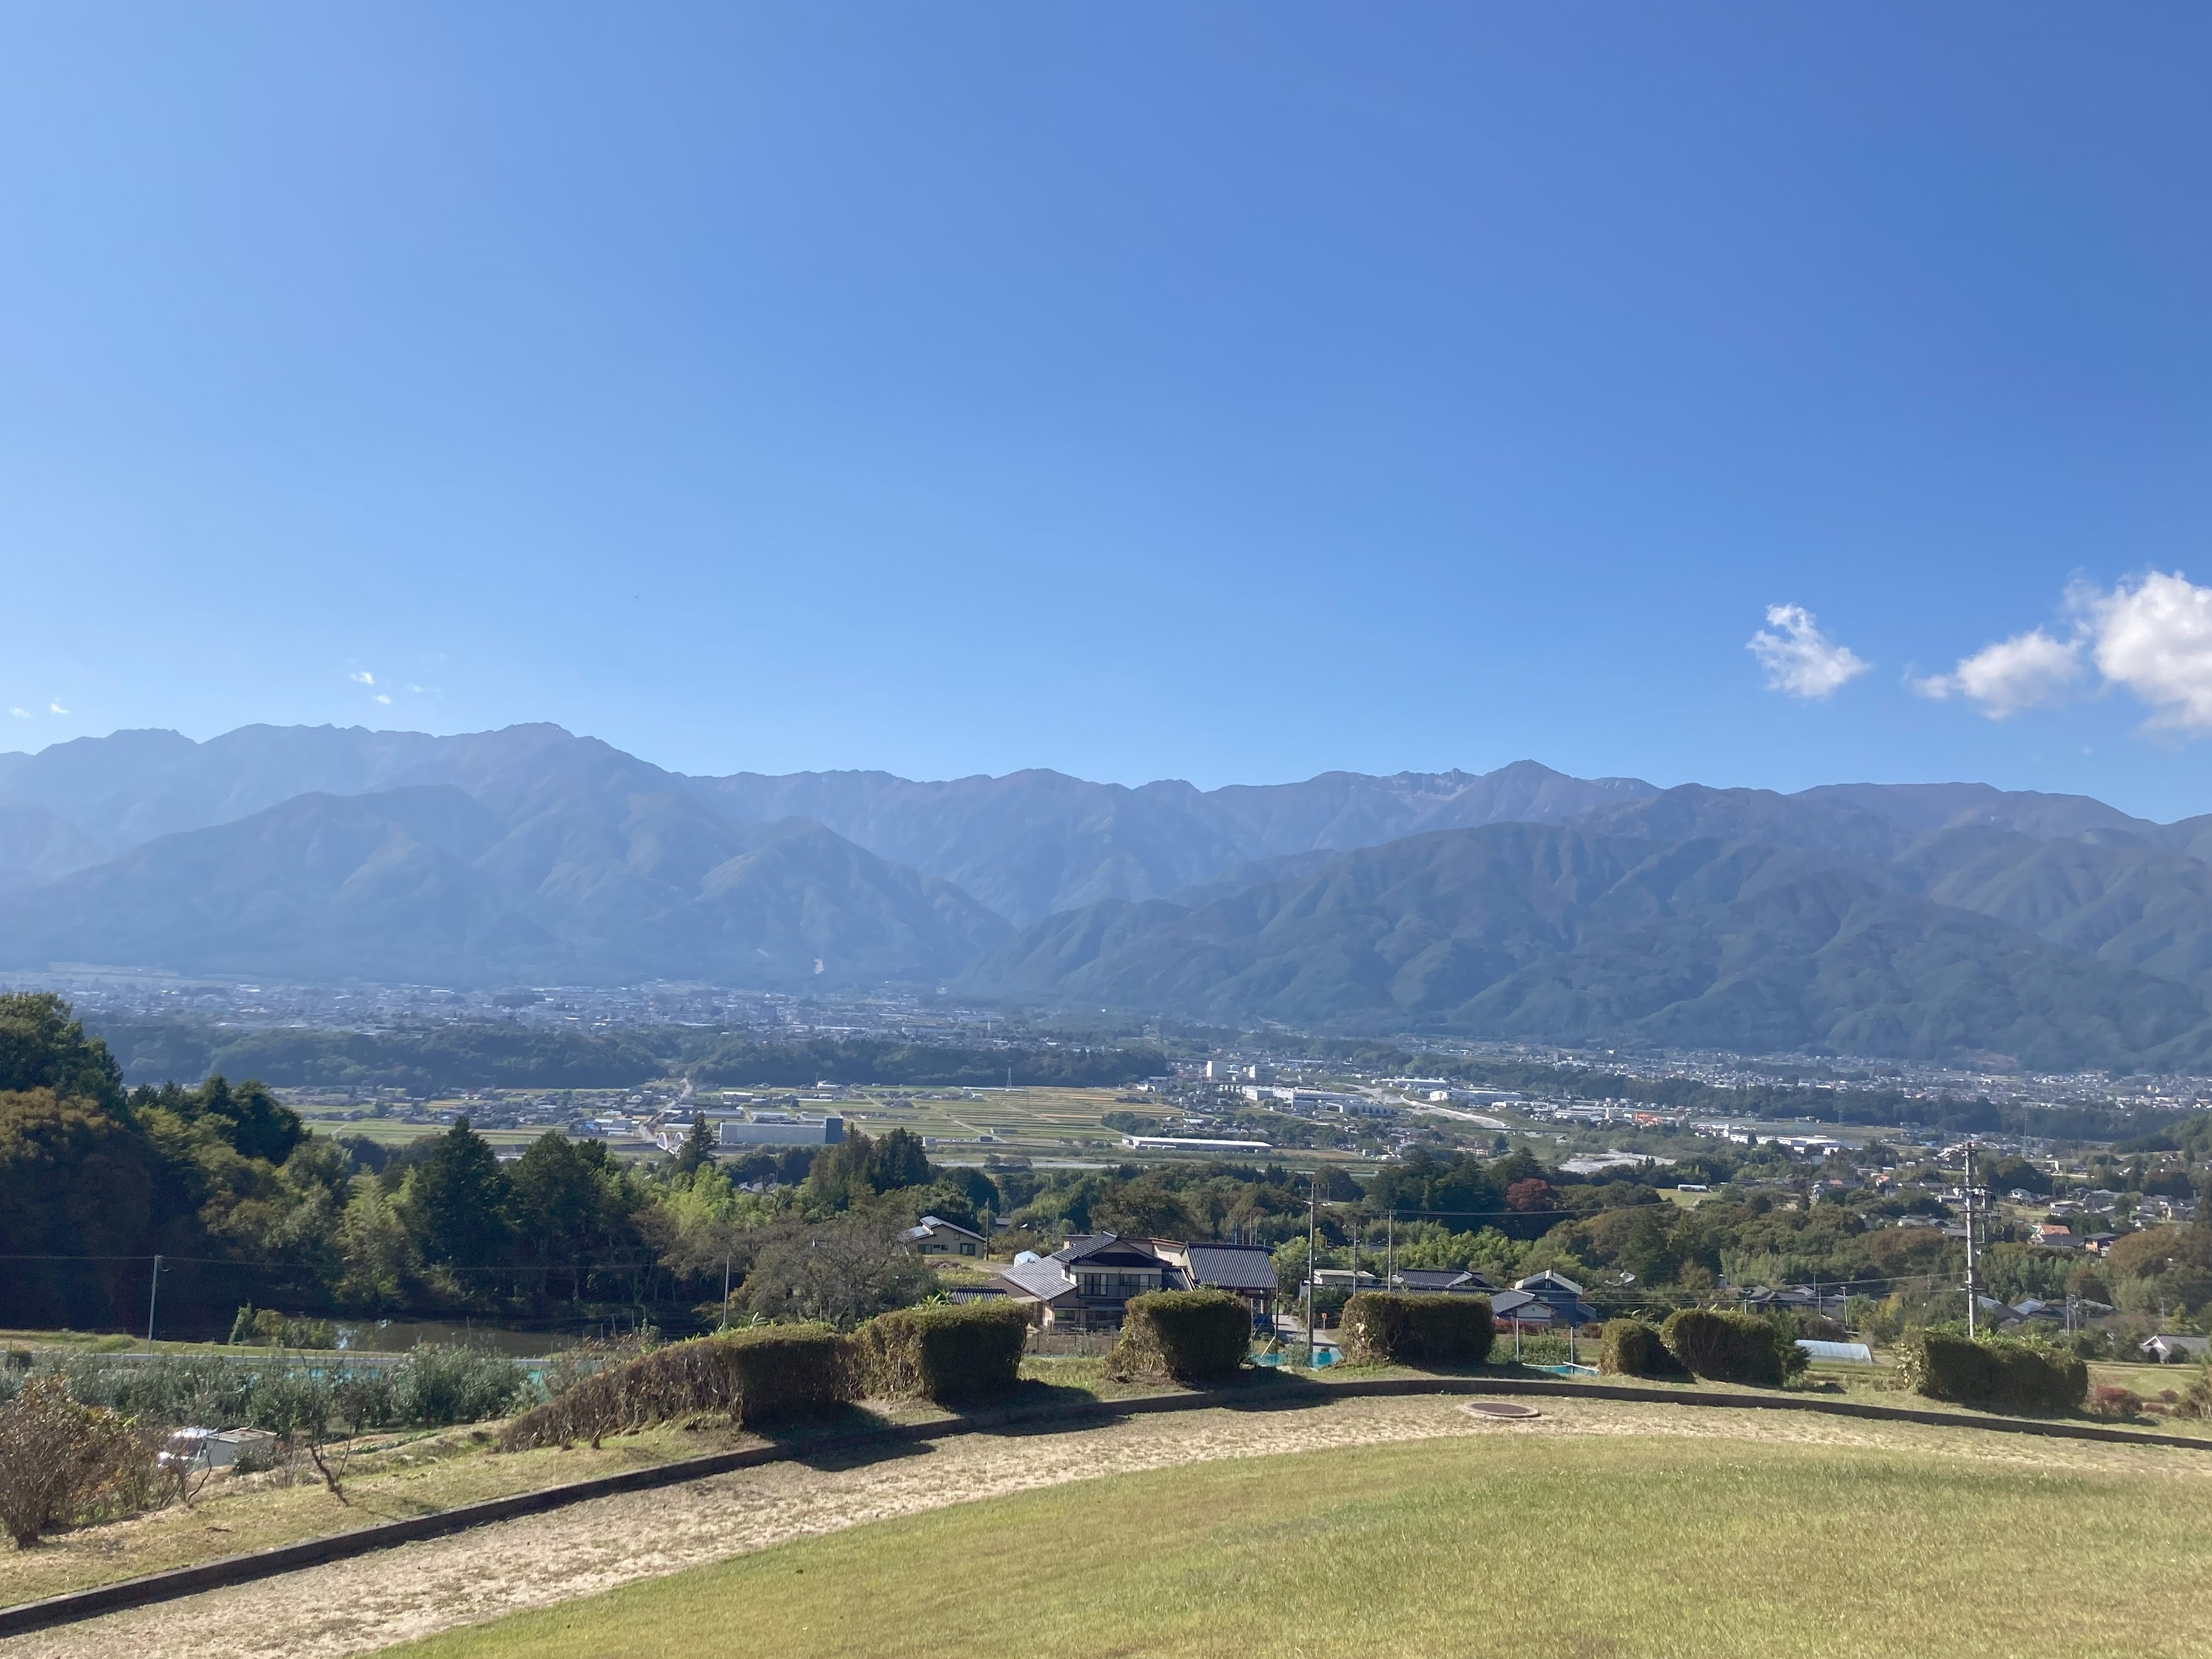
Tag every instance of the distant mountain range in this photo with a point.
(1927, 920)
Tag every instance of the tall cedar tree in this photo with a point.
(457, 1201)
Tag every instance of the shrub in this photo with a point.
(2196, 1400)
(941, 1353)
(593, 1355)
(1732, 1348)
(435, 1386)
(1180, 1336)
(1629, 1347)
(1395, 1327)
(2114, 1405)
(746, 1375)
(175, 1391)
(1997, 1371)
(61, 1460)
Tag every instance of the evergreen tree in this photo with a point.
(457, 1201)
(698, 1149)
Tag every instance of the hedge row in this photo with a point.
(1629, 1347)
(772, 1370)
(1732, 1348)
(941, 1353)
(1180, 1336)
(744, 1375)
(1393, 1326)
(2000, 1371)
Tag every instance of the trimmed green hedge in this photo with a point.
(1394, 1327)
(1732, 1348)
(1998, 1371)
(941, 1353)
(769, 1370)
(1180, 1336)
(1629, 1347)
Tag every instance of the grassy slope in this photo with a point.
(1618, 1546)
(421, 1472)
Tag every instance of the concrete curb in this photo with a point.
(1273, 1395)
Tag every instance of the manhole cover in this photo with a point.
(1504, 1409)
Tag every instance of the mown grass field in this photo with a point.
(1614, 1545)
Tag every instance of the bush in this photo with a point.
(435, 1386)
(746, 1375)
(2114, 1405)
(1629, 1347)
(61, 1460)
(941, 1353)
(2195, 1401)
(175, 1391)
(1180, 1336)
(1998, 1371)
(1732, 1348)
(271, 1330)
(1394, 1328)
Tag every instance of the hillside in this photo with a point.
(1917, 919)
(1035, 843)
(426, 883)
(1570, 936)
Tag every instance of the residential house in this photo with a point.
(938, 1236)
(1441, 1281)
(1344, 1278)
(2053, 1236)
(2176, 1350)
(1520, 1310)
(1556, 1292)
(1084, 1284)
(1245, 1271)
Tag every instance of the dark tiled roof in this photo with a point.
(1442, 1278)
(1107, 1250)
(1043, 1280)
(1232, 1266)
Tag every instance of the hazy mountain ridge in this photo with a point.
(425, 881)
(1561, 934)
(1901, 918)
(1034, 843)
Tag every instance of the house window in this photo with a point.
(1117, 1287)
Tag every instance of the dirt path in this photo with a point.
(352, 1607)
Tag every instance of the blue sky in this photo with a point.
(1231, 393)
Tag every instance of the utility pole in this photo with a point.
(153, 1293)
(725, 1289)
(1390, 1252)
(1971, 1311)
(1313, 1215)
(1355, 1251)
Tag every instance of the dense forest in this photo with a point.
(440, 1059)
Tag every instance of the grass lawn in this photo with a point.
(1614, 1545)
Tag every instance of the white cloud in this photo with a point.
(2155, 637)
(383, 696)
(361, 677)
(2028, 670)
(1801, 661)
(21, 714)
(56, 705)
